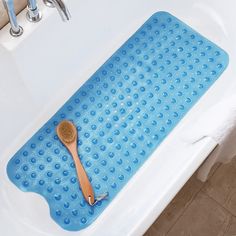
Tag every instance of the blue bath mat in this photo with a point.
(122, 113)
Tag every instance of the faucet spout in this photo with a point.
(61, 8)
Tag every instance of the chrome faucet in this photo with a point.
(16, 30)
(33, 14)
(61, 8)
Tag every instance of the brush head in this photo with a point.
(66, 131)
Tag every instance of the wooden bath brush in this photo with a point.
(67, 133)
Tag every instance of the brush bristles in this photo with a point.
(66, 131)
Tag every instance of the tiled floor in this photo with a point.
(202, 209)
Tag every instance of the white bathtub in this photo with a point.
(36, 80)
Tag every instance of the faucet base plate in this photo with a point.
(18, 33)
(35, 18)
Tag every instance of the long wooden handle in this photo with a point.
(85, 184)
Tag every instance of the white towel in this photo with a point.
(219, 122)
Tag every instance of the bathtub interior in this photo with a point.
(95, 31)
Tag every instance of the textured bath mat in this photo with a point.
(122, 113)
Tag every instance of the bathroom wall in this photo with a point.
(19, 5)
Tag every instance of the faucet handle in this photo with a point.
(61, 7)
